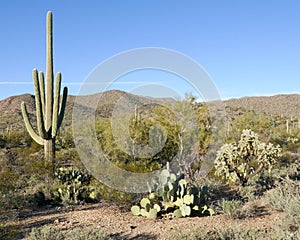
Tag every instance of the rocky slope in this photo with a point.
(11, 117)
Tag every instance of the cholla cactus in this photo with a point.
(238, 162)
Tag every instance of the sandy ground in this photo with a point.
(123, 225)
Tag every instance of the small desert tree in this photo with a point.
(238, 162)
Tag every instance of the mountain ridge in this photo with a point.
(279, 104)
(11, 117)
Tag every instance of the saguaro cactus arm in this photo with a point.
(39, 103)
(63, 107)
(56, 104)
(57, 116)
(42, 91)
(29, 127)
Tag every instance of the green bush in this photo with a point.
(18, 200)
(53, 233)
(220, 233)
(257, 186)
(2, 142)
(8, 232)
(285, 197)
(100, 191)
(248, 119)
(7, 179)
(231, 207)
(87, 233)
(14, 139)
(46, 233)
(139, 128)
(288, 142)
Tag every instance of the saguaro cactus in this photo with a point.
(47, 101)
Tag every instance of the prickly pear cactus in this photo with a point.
(147, 209)
(174, 199)
(71, 186)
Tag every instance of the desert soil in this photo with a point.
(122, 224)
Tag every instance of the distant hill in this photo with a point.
(283, 104)
(10, 111)
(11, 117)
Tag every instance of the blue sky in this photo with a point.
(247, 47)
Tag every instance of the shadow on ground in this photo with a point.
(121, 236)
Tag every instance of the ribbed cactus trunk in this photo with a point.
(49, 145)
(49, 149)
(49, 74)
(49, 113)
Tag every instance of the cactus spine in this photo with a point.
(47, 101)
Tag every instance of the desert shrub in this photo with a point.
(139, 166)
(7, 179)
(231, 207)
(288, 142)
(256, 186)
(30, 196)
(87, 233)
(79, 233)
(68, 157)
(2, 142)
(247, 234)
(35, 165)
(14, 139)
(204, 125)
(285, 160)
(100, 191)
(140, 125)
(65, 139)
(21, 180)
(247, 193)
(18, 200)
(174, 129)
(238, 162)
(226, 233)
(264, 183)
(293, 170)
(258, 122)
(213, 186)
(8, 232)
(20, 138)
(285, 197)
(285, 232)
(9, 227)
(46, 233)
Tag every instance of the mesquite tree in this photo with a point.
(238, 162)
(49, 113)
